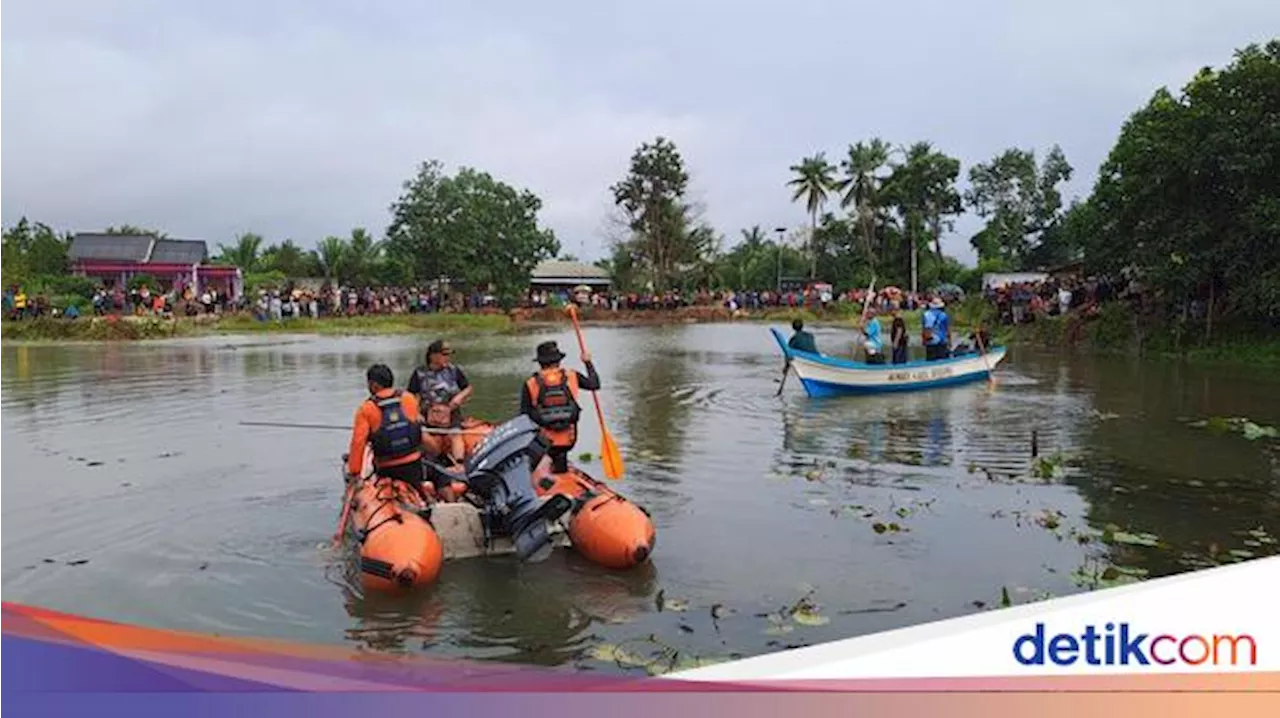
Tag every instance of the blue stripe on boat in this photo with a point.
(817, 388)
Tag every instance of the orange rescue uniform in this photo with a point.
(367, 420)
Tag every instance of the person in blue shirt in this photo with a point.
(872, 341)
(935, 326)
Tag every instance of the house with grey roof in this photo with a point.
(174, 263)
(555, 275)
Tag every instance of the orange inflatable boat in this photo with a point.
(398, 546)
(604, 527)
(404, 538)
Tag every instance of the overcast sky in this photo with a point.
(301, 119)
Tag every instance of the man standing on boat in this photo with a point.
(898, 336)
(550, 398)
(872, 342)
(934, 331)
(390, 422)
(442, 388)
(802, 341)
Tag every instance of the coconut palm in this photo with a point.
(243, 254)
(332, 254)
(862, 184)
(814, 178)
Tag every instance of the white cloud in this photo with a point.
(302, 119)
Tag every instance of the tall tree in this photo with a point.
(330, 253)
(814, 179)
(287, 258)
(245, 253)
(1189, 197)
(468, 227)
(665, 235)
(32, 250)
(1019, 200)
(861, 187)
(922, 189)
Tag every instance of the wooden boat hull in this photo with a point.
(835, 376)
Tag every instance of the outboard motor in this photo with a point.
(501, 472)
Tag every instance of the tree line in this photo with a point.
(1187, 203)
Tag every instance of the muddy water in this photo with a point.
(131, 492)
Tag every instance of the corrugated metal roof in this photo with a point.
(556, 269)
(110, 247)
(179, 251)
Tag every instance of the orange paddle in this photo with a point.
(609, 454)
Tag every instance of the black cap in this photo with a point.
(549, 353)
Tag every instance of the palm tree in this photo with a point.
(243, 254)
(862, 184)
(332, 254)
(815, 177)
(363, 254)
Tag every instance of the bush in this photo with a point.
(138, 281)
(274, 279)
(65, 284)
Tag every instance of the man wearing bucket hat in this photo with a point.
(550, 398)
(934, 331)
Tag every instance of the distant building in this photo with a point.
(554, 275)
(177, 263)
(996, 280)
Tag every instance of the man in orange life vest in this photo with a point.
(391, 422)
(550, 398)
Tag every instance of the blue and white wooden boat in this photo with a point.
(834, 376)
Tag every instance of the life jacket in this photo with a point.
(396, 436)
(437, 386)
(555, 399)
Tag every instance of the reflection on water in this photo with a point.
(133, 493)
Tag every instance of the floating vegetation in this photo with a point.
(1049, 467)
(651, 654)
(1095, 574)
(1237, 424)
(585, 456)
(1114, 535)
(804, 612)
(675, 605)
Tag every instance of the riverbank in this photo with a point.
(1116, 330)
(136, 328)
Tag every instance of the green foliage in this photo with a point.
(65, 285)
(274, 279)
(1189, 197)
(245, 253)
(814, 180)
(468, 227)
(1019, 200)
(31, 250)
(667, 245)
(138, 281)
(130, 230)
(290, 260)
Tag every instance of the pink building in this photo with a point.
(176, 263)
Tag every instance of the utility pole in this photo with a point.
(781, 231)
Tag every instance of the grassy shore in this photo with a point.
(1114, 331)
(135, 328)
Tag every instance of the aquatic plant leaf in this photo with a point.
(1004, 597)
(1253, 431)
(610, 653)
(807, 617)
(778, 629)
(585, 456)
(1130, 539)
(1132, 570)
(879, 527)
(1241, 553)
